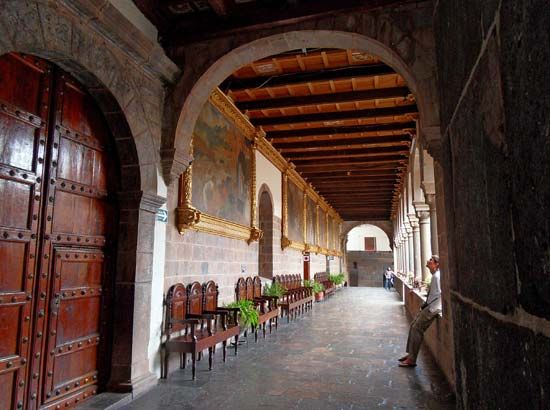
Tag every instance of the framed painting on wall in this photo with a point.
(217, 192)
(323, 231)
(311, 222)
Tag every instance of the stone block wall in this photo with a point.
(370, 266)
(493, 62)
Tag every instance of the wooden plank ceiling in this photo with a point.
(342, 117)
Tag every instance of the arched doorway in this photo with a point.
(265, 216)
(368, 254)
(58, 186)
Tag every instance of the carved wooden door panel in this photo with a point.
(56, 222)
(76, 232)
(24, 96)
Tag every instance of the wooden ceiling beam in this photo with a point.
(299, 158)
(362, 182)
(345, 160)
(336, 74)
(330, 167)
(330, 131)
(347, 139)
(320, 99)
(337, 116)
(351, 174)
(342, 144)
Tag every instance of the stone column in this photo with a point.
(423, 213)
(417, 264)
(133, 289)
(404, 241)
(430, 200)
(410, 243)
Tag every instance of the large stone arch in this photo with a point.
(386, 226)
(48, 30)
(401, 37)
(131, 103)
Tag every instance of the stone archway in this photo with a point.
(55, 34)
(403, 39)
(386, 226)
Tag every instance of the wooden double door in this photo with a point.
(56, 223)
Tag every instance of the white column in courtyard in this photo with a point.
(410, 243)
(423, 213)
(430, 199)
(417, 267)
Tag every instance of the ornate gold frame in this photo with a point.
(188, 217)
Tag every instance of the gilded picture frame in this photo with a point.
(192, 217)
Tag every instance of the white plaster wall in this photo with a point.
(267, 173)
(356, 238)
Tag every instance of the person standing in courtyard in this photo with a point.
(430, 310)
(388, 278)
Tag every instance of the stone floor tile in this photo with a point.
(338, 356)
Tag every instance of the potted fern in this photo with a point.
(248, 314)
(275, 289)
(319, 291)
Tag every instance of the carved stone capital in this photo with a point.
(430, 200)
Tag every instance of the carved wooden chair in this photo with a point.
(229, 325)
(182, 332)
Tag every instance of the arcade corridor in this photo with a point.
(337, 357)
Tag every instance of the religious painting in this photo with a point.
(221, 168)
(330, 239)
(336, 234)
(295, 212)
(322, 229)
(311, 217)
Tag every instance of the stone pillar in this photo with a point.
(404, 240)
(423, 213)
(133, 289)
(430, 199)
(410, 243)
(417, 264)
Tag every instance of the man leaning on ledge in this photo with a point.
(429, 311)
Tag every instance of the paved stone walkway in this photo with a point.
(339, 356)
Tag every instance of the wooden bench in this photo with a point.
(296, 298)
(322, 277)
(194, 322)
(251, 289)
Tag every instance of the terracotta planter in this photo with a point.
(319, 296)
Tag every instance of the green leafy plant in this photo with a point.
(275, 289)
(308, 283)
(249, 316)
(337, 279)
(318, 287)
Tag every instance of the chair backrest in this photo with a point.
(210, 298)
(249, 288)
(194, 296)
(176, 307)
(240, 289)
(257, 282)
